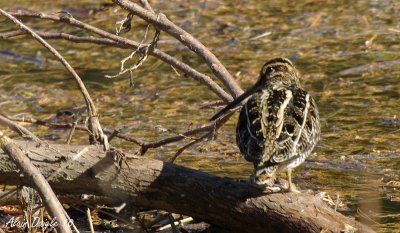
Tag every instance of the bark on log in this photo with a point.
(10, 197)
(241, 207)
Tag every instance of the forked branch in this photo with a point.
(163, 23)
(118, 41)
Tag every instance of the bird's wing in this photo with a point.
(291, 121)
(309, 134)
(249, 137)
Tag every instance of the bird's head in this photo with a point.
(278, 71)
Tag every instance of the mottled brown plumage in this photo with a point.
(278, 126)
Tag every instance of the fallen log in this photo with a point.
(241, 207)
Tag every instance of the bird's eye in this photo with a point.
(269, 70)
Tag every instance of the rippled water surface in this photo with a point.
(347, 51)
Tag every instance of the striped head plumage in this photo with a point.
(279, 71)
(278, 125)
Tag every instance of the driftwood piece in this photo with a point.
(241, 207)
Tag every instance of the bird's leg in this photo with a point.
(266, 178)
(292, 187)
(280, 185)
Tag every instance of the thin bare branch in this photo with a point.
(146, 5)
(22, 131)
(212, 105)
(141, 59)
(211, 127)
(89, 218)
(126, 43)
(94, 124)
(68, 37)
(70, 125)
(164, 24)
(175, 138)
(182, 149)
(10, 34)
(124, 25)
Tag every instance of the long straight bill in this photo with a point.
(236, 102)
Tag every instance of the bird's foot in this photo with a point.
(281, 185)
(292, 188)
(308, 191)
(265, 181)
(276, 185)
(273, 189)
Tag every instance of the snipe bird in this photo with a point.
(278, 126)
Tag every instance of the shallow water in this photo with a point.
(329, 42)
